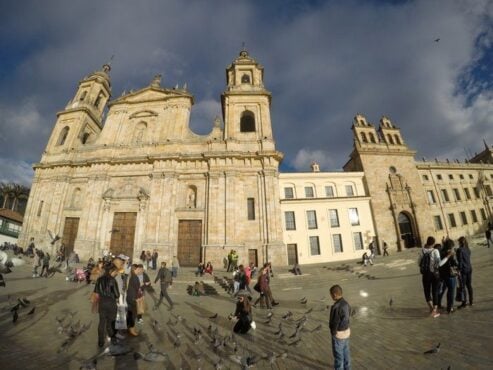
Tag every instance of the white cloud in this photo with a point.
(203, 115)
(305, 157)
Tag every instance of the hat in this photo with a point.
(123, 257)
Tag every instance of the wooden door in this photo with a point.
(123, 233)
(70, 233)
(189, 242)
(253, 257)
(292, 254)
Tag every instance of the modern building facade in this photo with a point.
(137, 178)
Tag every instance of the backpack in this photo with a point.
(424, 265)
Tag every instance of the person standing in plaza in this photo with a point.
(385, 249)
(36, 262)
(230, 261)
(154, 259)
(234, 260)
(133, 292)
(175, 266)
(428, 262)
(465, 269)
(108, 292)
(166, 280)
(143, 257)
(488, 236)
(148, 259)
(340, 313)
(46, 264)
(448, 274)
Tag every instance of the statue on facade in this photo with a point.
(191, 198)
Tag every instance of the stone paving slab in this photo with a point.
(383, 337)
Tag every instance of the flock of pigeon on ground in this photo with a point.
(281, 329)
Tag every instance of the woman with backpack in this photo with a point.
(428, 261)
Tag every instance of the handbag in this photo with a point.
(94, 299)
(256, 287)
(121, 317)
(140, 305)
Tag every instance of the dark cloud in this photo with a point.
(324, 62)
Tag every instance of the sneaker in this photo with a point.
(119, 336)
(435, 314)
(140, 321)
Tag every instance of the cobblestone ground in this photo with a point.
(383, 336)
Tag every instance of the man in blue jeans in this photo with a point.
(339, 328)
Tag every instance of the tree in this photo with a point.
(15, 193)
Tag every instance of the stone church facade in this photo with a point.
(142, 180)
(137, 178)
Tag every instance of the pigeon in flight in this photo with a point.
(433, 350)
(436, 40)
(54, 239)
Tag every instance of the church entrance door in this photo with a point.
(189, 242)
(123, 233)
(70, 233)
(406, 230)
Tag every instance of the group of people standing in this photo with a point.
(149, 259)
(445, 268)
(123, 285)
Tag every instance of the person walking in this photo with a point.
(385, 249)
(465, 269)
(166, 280)
(340, 313)
(488, 237)
(36, 262)
(108, 292)
(46, 265)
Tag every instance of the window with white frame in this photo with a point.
(349, 190)
(288, 193)
(353, 216)
(431, 197)
(311, 218)
(314, 246)
(290, 220)
(334, 218)
(329, 191)
(337, 242)
(309, 192)
(358, 241)
(438, 222)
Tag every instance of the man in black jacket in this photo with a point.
(166, 279)
(107, 289)
(339, 328)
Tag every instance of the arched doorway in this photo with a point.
(406, 230)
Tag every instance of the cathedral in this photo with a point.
(127, 174)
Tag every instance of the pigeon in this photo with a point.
(268, 321)
(303, 300)
(15, 308)
(287, 315)
(213, 316)
(391, 302)
(294, 334)
(151, 356)
(436, 40)
(308, 311)
(23, 302)
(32, 311)
(270, 314)
(54, 239)
(90, 365)
(433, 350)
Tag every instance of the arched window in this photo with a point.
(63, 136)
(247, 121)
(363, 137)
(83, 95)
(139, 134)
(372, 137)
(245, 79)
(397, 140)
(98, 99)
(389, 137)
(85, 137)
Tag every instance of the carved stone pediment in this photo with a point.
(126, 191)
(143, 114)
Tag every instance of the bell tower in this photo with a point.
(81, 120)
(246, 105)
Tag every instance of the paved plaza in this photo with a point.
(383, 336)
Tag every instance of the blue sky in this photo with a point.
(324, 62)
